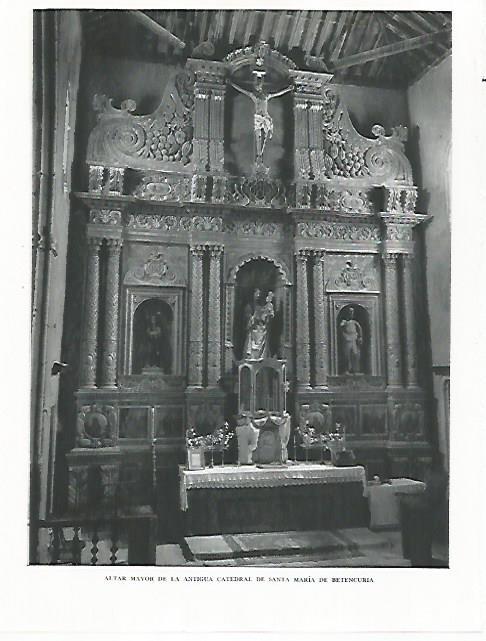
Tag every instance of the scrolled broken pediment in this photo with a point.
(161, 140)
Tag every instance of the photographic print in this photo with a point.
(241, 288)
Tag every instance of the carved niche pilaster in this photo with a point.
(90, 326)
(390, 262)
(208, 121)
(228, 326)
(110, 340)
(196, 320)
(214, 315)
(409, 324)
(320, 321)
(302, 325)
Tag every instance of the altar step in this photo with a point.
(358, 547)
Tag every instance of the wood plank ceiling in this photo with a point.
(378, 48)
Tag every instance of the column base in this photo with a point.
(93, 386)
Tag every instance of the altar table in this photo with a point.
(237, 499)
(384, 501)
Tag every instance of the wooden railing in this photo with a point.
(133, 527)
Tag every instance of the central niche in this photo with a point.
(152, 337)
(254, 281)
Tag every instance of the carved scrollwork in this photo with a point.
(105, 216)
(155, 270)
(347, 154)
(345, 200)
(95, 426)
(164, 136)
(338, 231)
(354, 277)
(175, 223)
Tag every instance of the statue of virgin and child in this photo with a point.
(258, 327)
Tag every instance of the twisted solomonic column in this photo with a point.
(392, 320)
(302, 326)
(196, 321)
(90, 328)
(320, 321)
(110, 338)
(409, 325)
(214, 315)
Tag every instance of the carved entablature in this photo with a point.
(161, 140)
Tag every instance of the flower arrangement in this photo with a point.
(216, 441)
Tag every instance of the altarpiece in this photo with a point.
(185, 224)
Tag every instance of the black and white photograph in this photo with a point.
(243, 258)
(241, 288)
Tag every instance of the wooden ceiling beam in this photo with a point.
(155, 27)
(337, 32)
(347, 35)
(399, 32)
(392, 49)
(280, 28)
(314, 21)
(234, 25)
(298, 30)
(266, 26)
(325, 29)
(407, 18)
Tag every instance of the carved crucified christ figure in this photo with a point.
(263, 123)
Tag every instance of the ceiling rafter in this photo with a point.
(391, 50)
(156, 28)
(337, 32)
(312, 30)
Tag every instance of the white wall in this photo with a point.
(429, 103)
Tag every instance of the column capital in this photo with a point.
(94, 242)
(303, 254)
(114, 244)
(390, 259)
(197, 250)
(215, 251)
(320, 255)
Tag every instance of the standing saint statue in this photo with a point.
(352, 340)
(258, 325)
(262, 123)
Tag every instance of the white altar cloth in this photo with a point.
(383, 500)
(251, 476)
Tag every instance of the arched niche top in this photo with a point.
(282, 269)
(259, 55)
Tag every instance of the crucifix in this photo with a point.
(262, 122)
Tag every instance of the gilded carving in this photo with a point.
(165, 136)
(110, 340)
(392, 319)
(303, 342)
(90, 331)
(338, 231)
(352, 273)
(105, 216)
(399, 232)
(164, 188)
(345, 200)
(95, 426)
(155, 270)
(196, 320)
(175, 223)
(214, 315)
(320, 320)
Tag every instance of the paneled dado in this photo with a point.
(178, 245)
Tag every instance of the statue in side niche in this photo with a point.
(352, 341)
